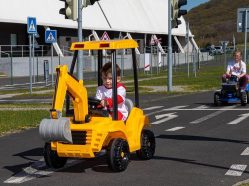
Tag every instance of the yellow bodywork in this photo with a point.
(99, 131)
(67, 83)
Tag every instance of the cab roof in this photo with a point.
(104, 45)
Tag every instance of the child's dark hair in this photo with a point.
(107, 68)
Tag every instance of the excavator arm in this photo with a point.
(66, 83)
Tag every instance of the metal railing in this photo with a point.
(23, 50)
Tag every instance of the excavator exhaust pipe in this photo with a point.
(55, 130)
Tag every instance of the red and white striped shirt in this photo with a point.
(106, 94)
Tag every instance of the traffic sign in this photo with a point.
(154, 40)
(243, 19)
(105, 36)
(31, 25)
(50, 36)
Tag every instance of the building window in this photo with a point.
(13, 39)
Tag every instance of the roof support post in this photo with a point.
(129, 36)
(154, 37)
(179, 44)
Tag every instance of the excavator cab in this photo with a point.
(83, 132)
(113, 47)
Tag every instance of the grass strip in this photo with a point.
(11, 121)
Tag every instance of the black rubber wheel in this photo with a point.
(148, 145)
(118, 155)
(243, 98)
(51, 157)
(217, 101)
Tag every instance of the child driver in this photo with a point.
(104, 92)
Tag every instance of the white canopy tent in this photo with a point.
(132, 16)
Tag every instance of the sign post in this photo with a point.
(224, 47)
(46, 71)
(31, 30)
(242, 25)
(169, 47)
(51, 37)
(187, 41)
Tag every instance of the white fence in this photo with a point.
(20, 65)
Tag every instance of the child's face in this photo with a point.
(237, 56)
(107, 80)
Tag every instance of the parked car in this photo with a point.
(211, 51)
(230, 49)
(218, 50)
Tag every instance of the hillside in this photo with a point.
(216, 21)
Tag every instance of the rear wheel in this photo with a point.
(52, 159)
(148, 145)
(118, 155)
(243, 98)
(217, 101)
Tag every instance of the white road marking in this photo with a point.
(245, 152)
(168, 116)
(29, 173)
(176, 107)
(198, 109)
(208, 109)
(164, 115)
(36, 170)
(175, 129)
(205, 108)
(202, 107)
(238, 120)
(236, 170)
(153, 108)
(207, 117)
(163, 110)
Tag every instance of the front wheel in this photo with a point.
(148, 145)
(217, 101)
(118, 155)
(52, 159)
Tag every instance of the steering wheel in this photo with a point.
(233, 78)
(96, 108)
(93, 102)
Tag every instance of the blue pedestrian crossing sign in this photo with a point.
(50, 36)
(31, 26)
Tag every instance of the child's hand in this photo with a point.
(103, 102)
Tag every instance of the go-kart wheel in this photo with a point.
(243, 98)
(118, 155)
(217, 101)
(51, 157)
(148, 145)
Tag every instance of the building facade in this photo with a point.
(143, 20)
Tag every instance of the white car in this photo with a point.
(218, 50)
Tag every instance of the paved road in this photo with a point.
(197, 144)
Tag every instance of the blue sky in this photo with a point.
(194, 3)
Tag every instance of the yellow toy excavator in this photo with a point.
(86, 130)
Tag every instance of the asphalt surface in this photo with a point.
(197, 144)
